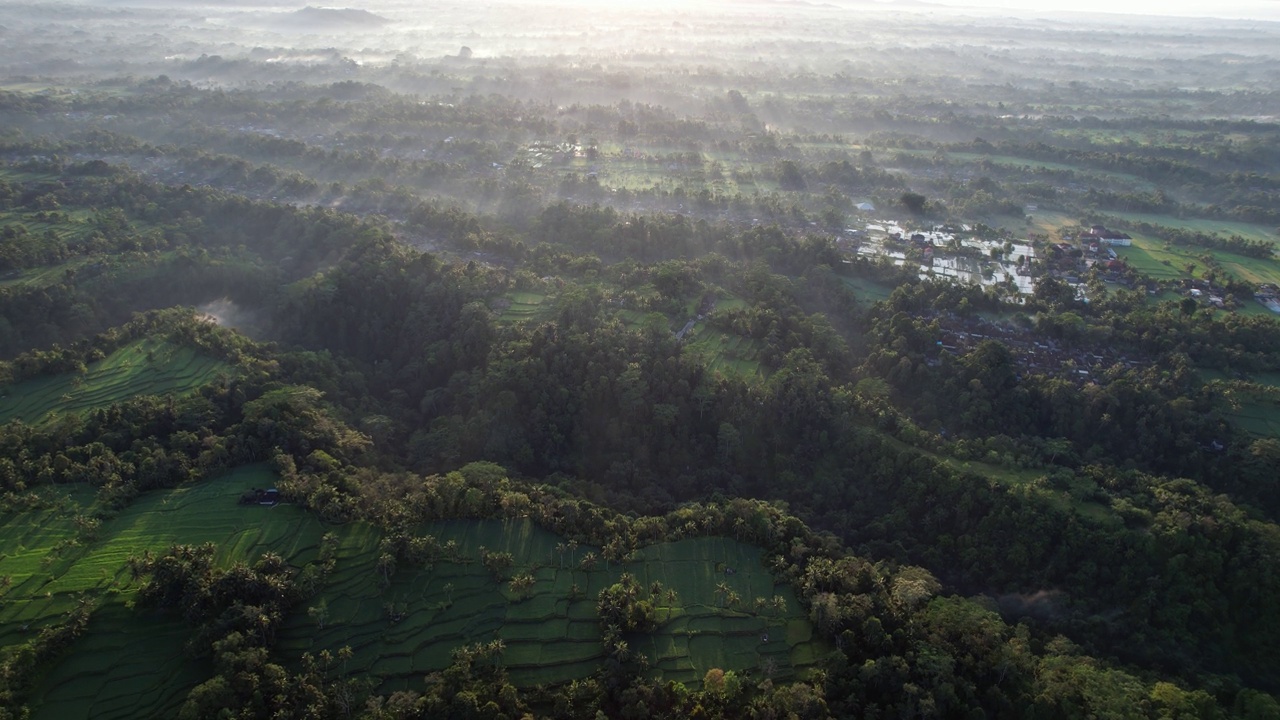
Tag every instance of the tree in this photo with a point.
(914, 202)
(521, 584)
(790, 177)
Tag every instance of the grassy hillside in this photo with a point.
(145, 367)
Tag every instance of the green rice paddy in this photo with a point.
(43, 276)
(130, 662)
(1148, 255)
(552, 631)
(726, 353)
(149, 366)
(524, 307)
(1248, 231)
(67, 224)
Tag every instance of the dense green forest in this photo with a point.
(703, 383)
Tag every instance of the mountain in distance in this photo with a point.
(321, 18)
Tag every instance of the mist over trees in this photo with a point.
(961, 321)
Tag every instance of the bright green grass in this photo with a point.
(551, 633)
(145, 367)
(725, 353)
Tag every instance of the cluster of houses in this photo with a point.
(1099, 235)
(1205, 291)
(1069, 261)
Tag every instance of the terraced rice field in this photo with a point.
(146, 367)
(131, 663)
(552, 631)
(67, 224)
(42, 276)
(525, 307)
(729, 354)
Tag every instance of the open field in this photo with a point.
(1248, 231)
(145, 367)
(1163, 261)
(552, 631)
(1149, 255)
(1049, 222)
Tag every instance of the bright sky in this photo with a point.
(1250, 9)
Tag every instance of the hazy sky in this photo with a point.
(1252, 9)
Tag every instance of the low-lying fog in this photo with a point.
(638, 42)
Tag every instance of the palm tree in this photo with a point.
(722, 589)
(520, 584)
(620, 650)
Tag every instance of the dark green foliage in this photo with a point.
(1139, 523)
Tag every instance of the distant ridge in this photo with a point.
(332, 18)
